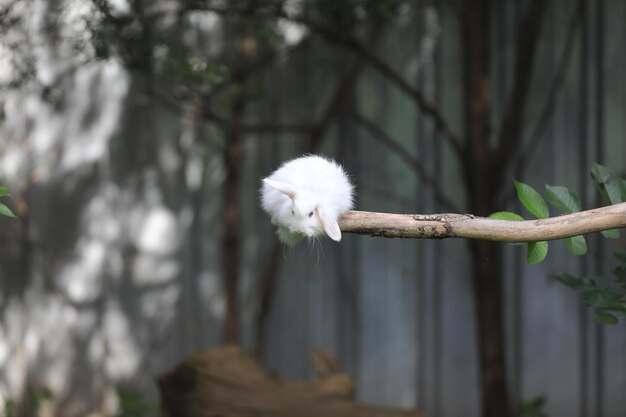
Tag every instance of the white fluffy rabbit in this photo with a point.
(306, 196)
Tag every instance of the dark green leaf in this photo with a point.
(532, 408)
(562, 199)
(620, 273)
(602, 298)
(536, 252)
(610, 234)
(595, 298)
(608, 183)
(4, 191)
(604, 317)
(620, 254)
(576, 245)
(5, 211)
(600, 173)
(505, 215)
(614, 191)
(532, 200)
(575, 283)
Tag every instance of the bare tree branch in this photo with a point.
(354, 46)
(171, 103)
(528, 37)
(555, 88)
(426, 106)
(440, 226)
(398, 149)
(261, 127)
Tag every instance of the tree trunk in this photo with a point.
(230, 240)
(233, 156)
(481, 182)
(487, 286)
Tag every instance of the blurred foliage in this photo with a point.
(178, 45)
(532, 408)
(606, 295)
(133, 404)
(4, 210)
(30, 404)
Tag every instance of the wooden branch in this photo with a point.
(227, 382)
(441, 226)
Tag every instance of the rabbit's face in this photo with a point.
(303, 217)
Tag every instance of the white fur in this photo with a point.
(310, 184)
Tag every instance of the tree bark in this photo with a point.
(452, 225)
(487, 287)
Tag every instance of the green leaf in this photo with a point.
(608, 183)
(575, 283)
(532, 408)
(620, 254)
(5, 211)
(602, 298)
(562, 199)
(614, 191)
(4, 191)
(595, 298)
(604, 317)
(505, 215)
(576, 245)
(620, 273)
(536, 252)
(532, 200)
(600, 173)
(610, 234)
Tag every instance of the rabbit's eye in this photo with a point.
(293, 212)
(311, 214)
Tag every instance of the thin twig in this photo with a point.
(555, 88)
(440, 226)
(170, 103)
(426, 106)
(262, 127)
(510, 134)
(354, 46)
(398, 149)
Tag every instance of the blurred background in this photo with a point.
(134, 135)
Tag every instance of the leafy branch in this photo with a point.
(607, 297)
(612, 188)
(504, 226)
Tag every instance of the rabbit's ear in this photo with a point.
(283, 187)
(331, 227)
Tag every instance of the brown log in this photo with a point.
(227, 382)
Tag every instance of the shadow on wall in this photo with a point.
(95, 296)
